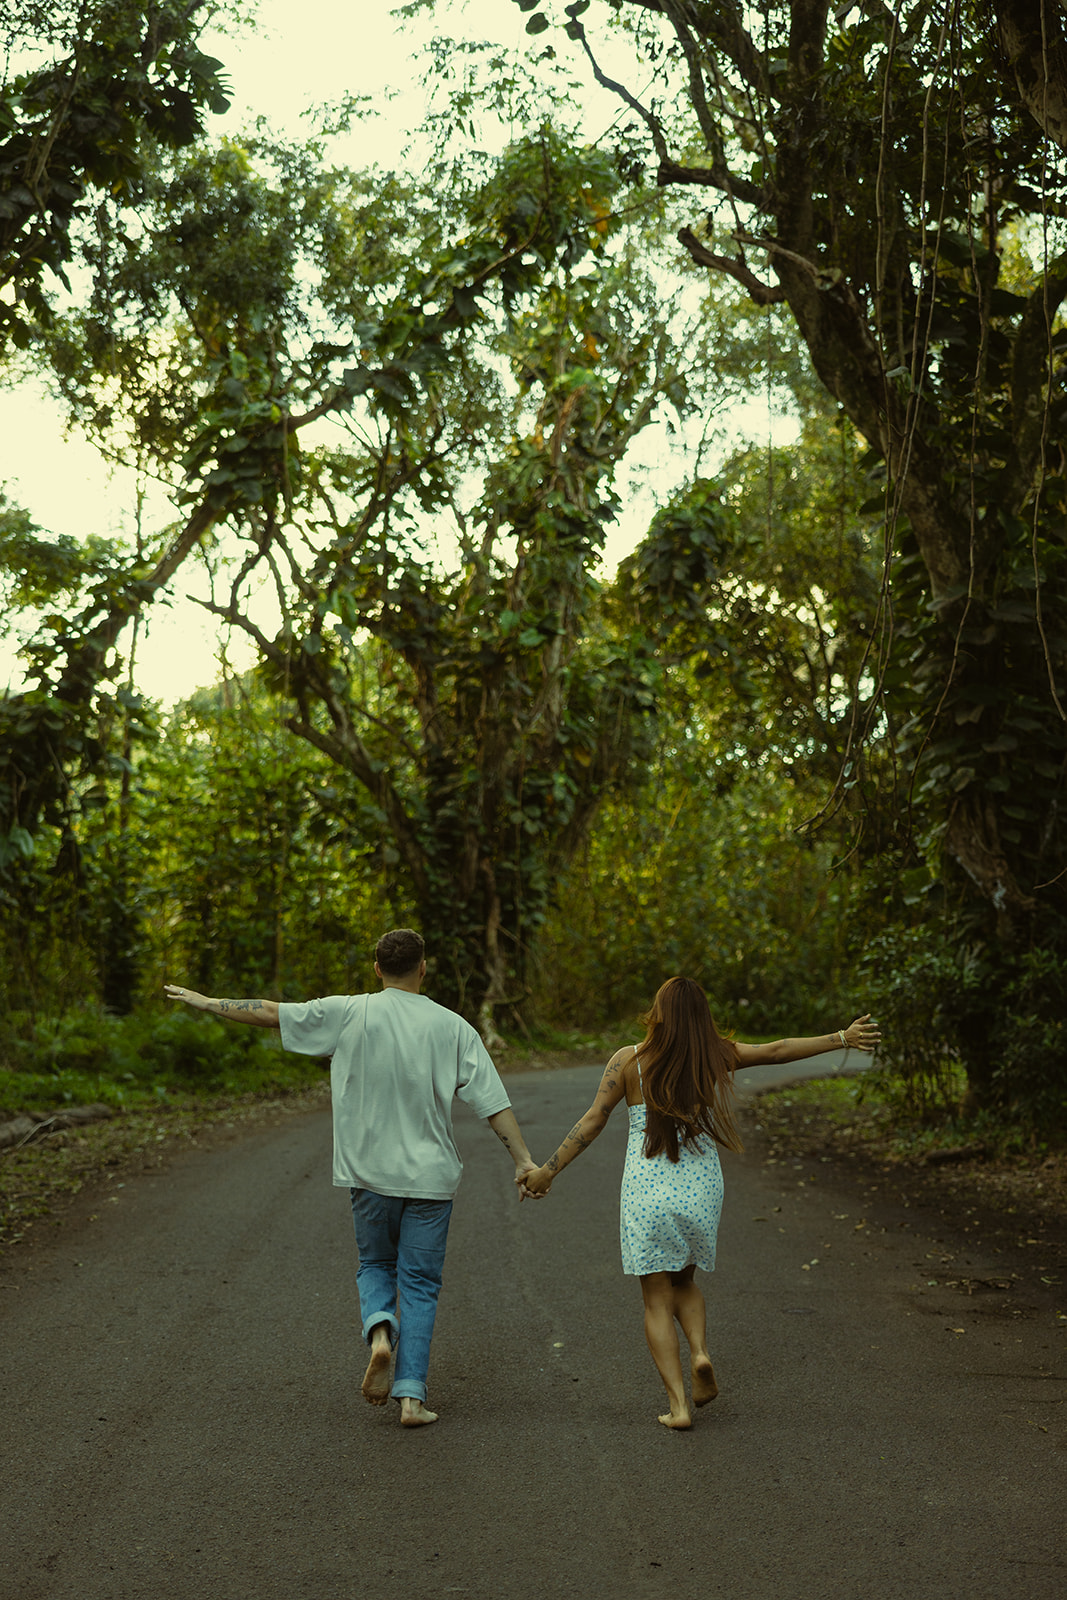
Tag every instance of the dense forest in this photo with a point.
(805, 743)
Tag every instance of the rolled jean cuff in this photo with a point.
(375, 1320)
(409, 1389)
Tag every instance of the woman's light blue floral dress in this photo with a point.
(669, 1211)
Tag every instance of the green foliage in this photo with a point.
(918, 988)
(928, 292)
(492, 708)
(63, 736)
(258, 869)
(400, 403)
(85, 1057)
(943, 1001)
(118, 80)
(1029, 1044)
(699, 870)
(765, 581)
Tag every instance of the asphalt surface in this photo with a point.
(182, 1418)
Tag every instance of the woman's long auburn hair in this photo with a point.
(686, 1072)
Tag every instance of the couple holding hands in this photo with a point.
(397, 1062)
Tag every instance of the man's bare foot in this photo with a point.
(413, 1414)
(375, 1386)
(677, 1419)
(704, 1386)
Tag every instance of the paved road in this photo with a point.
(181, 1416)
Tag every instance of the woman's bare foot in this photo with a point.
(375, 1386)
(677, 1419)
(704, 1386)
(413, 1414)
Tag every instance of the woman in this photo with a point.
(678, 1084)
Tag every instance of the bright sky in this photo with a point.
(294, 57)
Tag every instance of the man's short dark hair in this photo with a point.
(399, 952)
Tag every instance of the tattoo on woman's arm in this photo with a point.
(239, 1005)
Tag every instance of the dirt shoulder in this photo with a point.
(975, 1188)
(43, 1180)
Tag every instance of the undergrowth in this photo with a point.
(134, 1062)
(866, 1116)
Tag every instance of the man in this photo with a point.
(397, 1061)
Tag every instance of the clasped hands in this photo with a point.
(533, 1182)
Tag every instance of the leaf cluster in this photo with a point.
(118, 81)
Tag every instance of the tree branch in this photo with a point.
(80, 674)
(764, 294)
(721, 23)
(650, 120)
(346, 750)
(671, 172)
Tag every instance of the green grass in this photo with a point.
(836, 1098)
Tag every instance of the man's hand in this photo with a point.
(199, 1002)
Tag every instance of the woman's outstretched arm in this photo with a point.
(861, 1034)
(612, 1088)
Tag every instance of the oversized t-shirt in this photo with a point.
(398, 1061)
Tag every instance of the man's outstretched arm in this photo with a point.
(260, 1013)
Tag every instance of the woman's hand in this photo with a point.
(535, 1183)
(862, 1033)
(522, 1173)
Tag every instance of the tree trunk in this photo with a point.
(1031, 34)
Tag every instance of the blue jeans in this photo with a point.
(401, 1246)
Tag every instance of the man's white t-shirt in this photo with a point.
(398, 1061)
